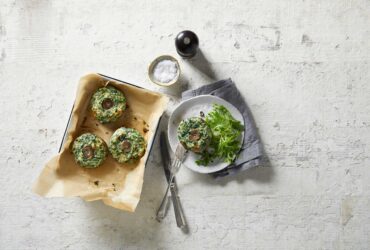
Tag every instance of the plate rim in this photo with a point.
(198, 169)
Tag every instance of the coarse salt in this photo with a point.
(165, 71)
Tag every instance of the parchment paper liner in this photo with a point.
(117, 185)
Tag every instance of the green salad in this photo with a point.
(226, 136)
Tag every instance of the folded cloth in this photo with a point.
(251, 153)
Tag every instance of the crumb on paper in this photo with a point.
(96, 183)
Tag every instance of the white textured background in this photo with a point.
(303, 67)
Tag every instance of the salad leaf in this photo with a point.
(226, 131)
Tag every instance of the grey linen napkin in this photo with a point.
(251, 153)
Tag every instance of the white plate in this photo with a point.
(191, 108)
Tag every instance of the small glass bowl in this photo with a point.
(154, 63)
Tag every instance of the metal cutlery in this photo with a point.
(166, 161)
(180, 154)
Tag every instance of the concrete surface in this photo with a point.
(303, 66)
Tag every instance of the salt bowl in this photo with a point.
(164, 70)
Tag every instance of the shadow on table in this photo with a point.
(201, 63)
(176, 89)
(120, 228)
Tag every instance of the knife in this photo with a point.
(166, 162)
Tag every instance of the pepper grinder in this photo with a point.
(186, 43)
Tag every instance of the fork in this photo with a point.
(180, 154)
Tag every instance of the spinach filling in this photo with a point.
(89, 150)
(108, 104)
(127, 145)
(194, 134)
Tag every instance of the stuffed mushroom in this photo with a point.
(194, 134)
(89, 150)
(108, 104)
(127, 145)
